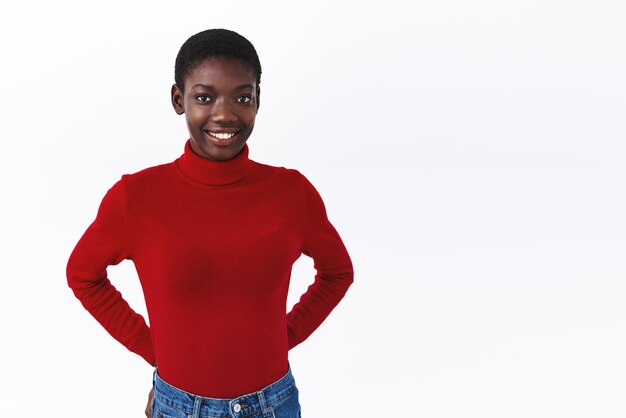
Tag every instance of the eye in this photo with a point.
(244, 99)
(203, 98)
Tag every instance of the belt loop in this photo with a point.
(196, 407)
(264, 409)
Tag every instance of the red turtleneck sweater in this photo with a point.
(213, 243)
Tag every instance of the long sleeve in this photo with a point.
(107, 241)
(334, 271)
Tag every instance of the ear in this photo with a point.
(258, 97)
(178, 100)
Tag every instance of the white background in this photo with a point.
(470, 154)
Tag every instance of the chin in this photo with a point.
(216, 152)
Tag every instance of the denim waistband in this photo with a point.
(196, 406)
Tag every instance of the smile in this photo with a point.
(221, 135)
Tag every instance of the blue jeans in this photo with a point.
(278, 400)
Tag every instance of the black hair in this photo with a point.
(214, 43)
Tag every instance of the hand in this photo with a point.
(149, 406)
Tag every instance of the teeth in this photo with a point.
(222, 136)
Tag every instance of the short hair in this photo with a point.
(214, 43)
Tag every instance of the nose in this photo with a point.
(222, 112)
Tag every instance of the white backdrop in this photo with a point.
(470, 154)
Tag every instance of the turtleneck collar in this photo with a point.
(213, 172)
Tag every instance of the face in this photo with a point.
(220, 104)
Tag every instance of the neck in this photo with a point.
(214, 172)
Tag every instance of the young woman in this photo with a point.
(213, 236)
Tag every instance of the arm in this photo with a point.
(334, 269)
(107, 241)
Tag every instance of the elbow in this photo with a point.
(69, 273)
(75, 275)
(348, 277)
(72, 272)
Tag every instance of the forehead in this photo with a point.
(220, 72)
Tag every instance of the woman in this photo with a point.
(213, 236)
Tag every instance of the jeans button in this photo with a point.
(237, 407)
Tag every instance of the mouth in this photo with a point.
(222, 138)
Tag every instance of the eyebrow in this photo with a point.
(209, 87)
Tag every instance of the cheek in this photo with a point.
(195, 118)
(249, 119)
